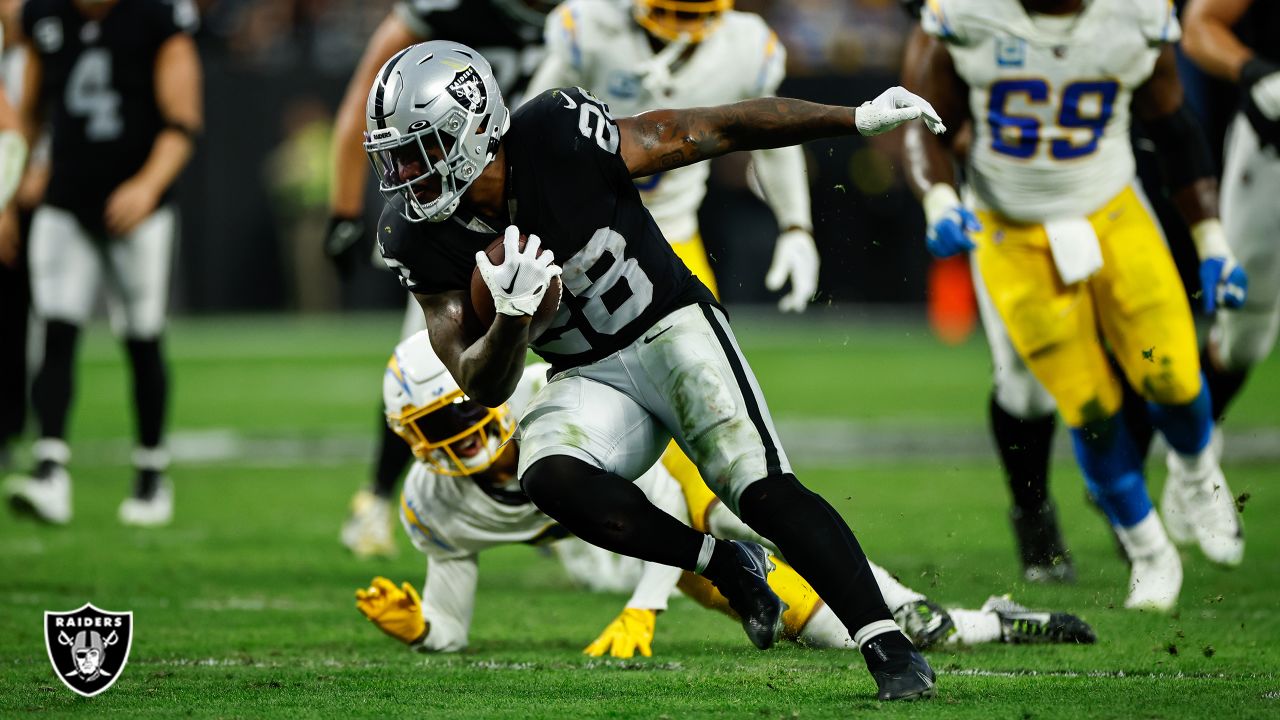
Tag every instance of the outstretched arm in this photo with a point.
(667, 139)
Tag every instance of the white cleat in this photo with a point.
(1199, 507)
(1155, 576)
(45, 495)
(368, 530)
(156, 511)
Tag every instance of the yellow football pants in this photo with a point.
(1136, 303)
(694, 256)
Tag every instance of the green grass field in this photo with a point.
(244, 608)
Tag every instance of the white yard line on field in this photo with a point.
(825, 442)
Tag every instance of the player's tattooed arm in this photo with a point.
(928, 70)
(1184, 152)
(487, 369)
(667, 139)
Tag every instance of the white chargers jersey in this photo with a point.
(595, 44)
(1049, 97)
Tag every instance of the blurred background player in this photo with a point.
(1021, 413)
(122, 87)
(461, 497)
(1236, 40)
(1053, 79)
(682, 54)
(14, 280)
(509, 34)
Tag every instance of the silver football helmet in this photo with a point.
(434, 119)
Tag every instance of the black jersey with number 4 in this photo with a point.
(569, 186)
(98, 83)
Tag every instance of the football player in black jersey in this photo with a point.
(120, 81)
(509, 33)
(641, 352)
(14, 303)
(1236, 40)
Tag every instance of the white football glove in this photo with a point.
(894, 107)
(795, 257)
(518, 284)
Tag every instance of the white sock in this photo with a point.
(1192, 469)
(824, 630)
(1145, 538)
(704, 555)
(54, 449)
(895, 593)
(974, 627)
(875, 629)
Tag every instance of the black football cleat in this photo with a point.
(1020, 625)
(750, 596)
(925, 623)
(913, 680)
(1044, 555)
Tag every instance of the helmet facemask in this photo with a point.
(671, 20)
(455, 435)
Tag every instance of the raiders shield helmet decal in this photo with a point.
(467, 88)
(88, 647)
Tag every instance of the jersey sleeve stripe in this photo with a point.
(935, 21)
(770, 51)
(569, 23)
(412, 517)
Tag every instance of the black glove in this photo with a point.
(345, 243)
(1268, 129)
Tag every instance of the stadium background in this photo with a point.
(244, 604)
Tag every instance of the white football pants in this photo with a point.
(68, 266)
(685, 378)
(1251, 218)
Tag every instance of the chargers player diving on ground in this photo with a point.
(121, 82)
(1249, 56)
(682, 54)
(461, 498)
(1071, 255)
(509, 34)
(641, 351)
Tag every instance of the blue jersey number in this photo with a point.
(1084, 104)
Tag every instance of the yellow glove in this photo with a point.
(397, 611)
(632, 629)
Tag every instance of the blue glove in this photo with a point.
(1222, 283)
(950, 234)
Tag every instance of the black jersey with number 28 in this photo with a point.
(98, 83)
(569, 186)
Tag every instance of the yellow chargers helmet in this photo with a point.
(447, 430)
(669, 19)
